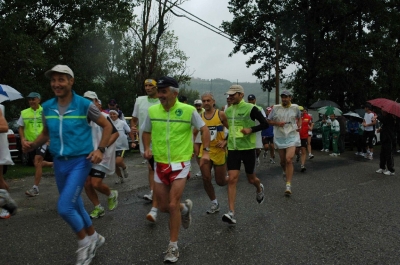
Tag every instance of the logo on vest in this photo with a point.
(178, 112)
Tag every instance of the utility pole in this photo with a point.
(277, 69)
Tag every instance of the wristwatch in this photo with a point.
(206, 149)
(102, 149)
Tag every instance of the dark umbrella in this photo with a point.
(360, 112)
(324, 103)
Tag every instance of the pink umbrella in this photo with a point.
(387, 105)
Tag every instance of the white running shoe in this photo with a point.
(380, 171)
(172, 254)
(94, 246)
(186, 219)
(288, 190)
(388, 173)
(4, 214)
(148, 197)
(125, 172)
(152, 216)
(198, 174)
(214, 208)
(84, 255)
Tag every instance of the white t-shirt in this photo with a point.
(287, 135)
(122, 142)
(368, 118)
(142, 104)
(107, 165)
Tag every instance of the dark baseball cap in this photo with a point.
(112, 102)
(251, 97)
(167, 81)
(34, 95)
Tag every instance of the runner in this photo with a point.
(216, 121)
(121, 145)
(286, 120)
(168, 127)
(259, 145)
(107, 166)
(268, 140)
(30, 126)
(197, 137)
(66, 124)
(241, 144)
(306, 124)
(139, 114)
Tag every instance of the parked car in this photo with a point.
(15, 150)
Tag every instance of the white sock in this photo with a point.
(184, 210)
(36, 187)
(94, 237)
(174, 244)
(153, 209)
(84, 242)
(215, 201)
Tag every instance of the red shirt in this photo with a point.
(305, 122)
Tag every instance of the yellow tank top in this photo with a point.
(215, 127)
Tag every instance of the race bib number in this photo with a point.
(213, 132)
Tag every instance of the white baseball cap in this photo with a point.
(59, 68)
(90, 94)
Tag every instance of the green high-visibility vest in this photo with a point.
(238, 118)
(33, 125)
(171, 133)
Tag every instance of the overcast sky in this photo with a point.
(207, 50)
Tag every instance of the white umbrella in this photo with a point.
(353, 114)
(9, 93)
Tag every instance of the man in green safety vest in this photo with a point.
(30, 126)
(168, 126)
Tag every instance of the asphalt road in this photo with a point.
(341, 212)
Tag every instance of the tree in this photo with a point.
(339, 47)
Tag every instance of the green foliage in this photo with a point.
(94, 38)
(346, 51)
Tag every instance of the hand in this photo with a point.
(148, 154)
(27, 146)
(133, 145)
(205, 158)
(95, 156)
(281, 123)
(246, 131)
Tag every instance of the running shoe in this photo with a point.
(148, 197)
(144, 161)
(95, 244)
(322, 150)
(97, 212)
(229, 218)
(120, 180)
(288, 190)
(125, 172)
(9, 204)
(333, 154)
(187, 218)
(265, 154)
(327, 150)
(198, 174)
(260, 195)
(303, 168)
(152, 216)
(84, 255)
(310, 156)
(32, 192)
(113, 200)
(258, 162)
(380, 171)
(388, 173)
(370, 157)
(4, 214)
(214, 208)
(172, 254)
(271, 160)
